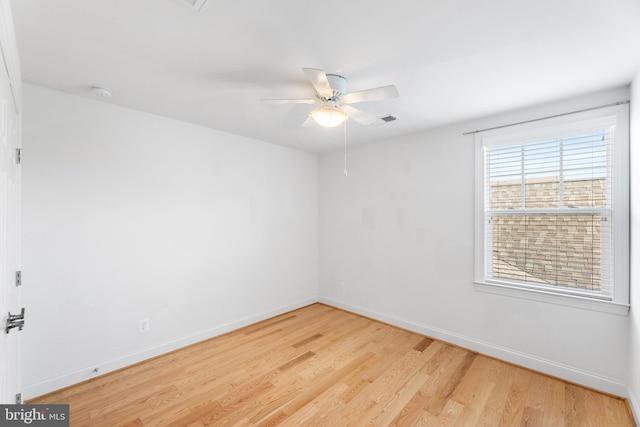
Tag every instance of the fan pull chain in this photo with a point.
(345, 149)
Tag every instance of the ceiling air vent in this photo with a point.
(196, 4)
(388, 118)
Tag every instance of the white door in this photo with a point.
(9, 209)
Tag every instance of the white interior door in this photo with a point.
(10, 374)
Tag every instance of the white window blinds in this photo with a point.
(548, 221)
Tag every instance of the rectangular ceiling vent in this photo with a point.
(196, 4)
(388, 118)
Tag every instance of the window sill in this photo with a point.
(553, 298)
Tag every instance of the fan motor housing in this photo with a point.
(338, 84)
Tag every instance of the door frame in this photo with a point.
(9, 389)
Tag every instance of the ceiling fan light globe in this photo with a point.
(327, 116)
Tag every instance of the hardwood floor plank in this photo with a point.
(197, 414)
(554, 403)
(423, 344)
(618, 412)
(595, 410)
(574, 406)
(514, 406)
(413, 410)
(494, 406)
(468, 387)
(321, 366)
(296, 361)
(317, 387)
(531, 417)
(388, 381)
(398, 402)
(450, 413)
(438, 387)
(307, 340)
(537, 391)
(259, 327)
(473, 410)
(328, 406)
(454, 377)
(472, 397)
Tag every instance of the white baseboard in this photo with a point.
(80, 375)
(568, 373)
(634, 404)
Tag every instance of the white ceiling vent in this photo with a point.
(196, 4)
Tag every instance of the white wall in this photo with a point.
(128, 215)
(634, 340)
(398, 232)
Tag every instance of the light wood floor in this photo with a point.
(320, 366)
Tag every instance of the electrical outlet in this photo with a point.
(342, 287)
(144, 325)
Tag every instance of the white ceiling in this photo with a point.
(451, 60)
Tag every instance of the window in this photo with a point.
(552, 210)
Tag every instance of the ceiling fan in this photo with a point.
(335, 101)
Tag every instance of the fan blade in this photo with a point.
(375, 94)
(318, 79)
(308, 123)
(290, 101)
(360, 116)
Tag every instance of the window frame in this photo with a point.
(619, 304)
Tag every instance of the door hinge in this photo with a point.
(18, 156)
(18, 278)
(18, 398)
